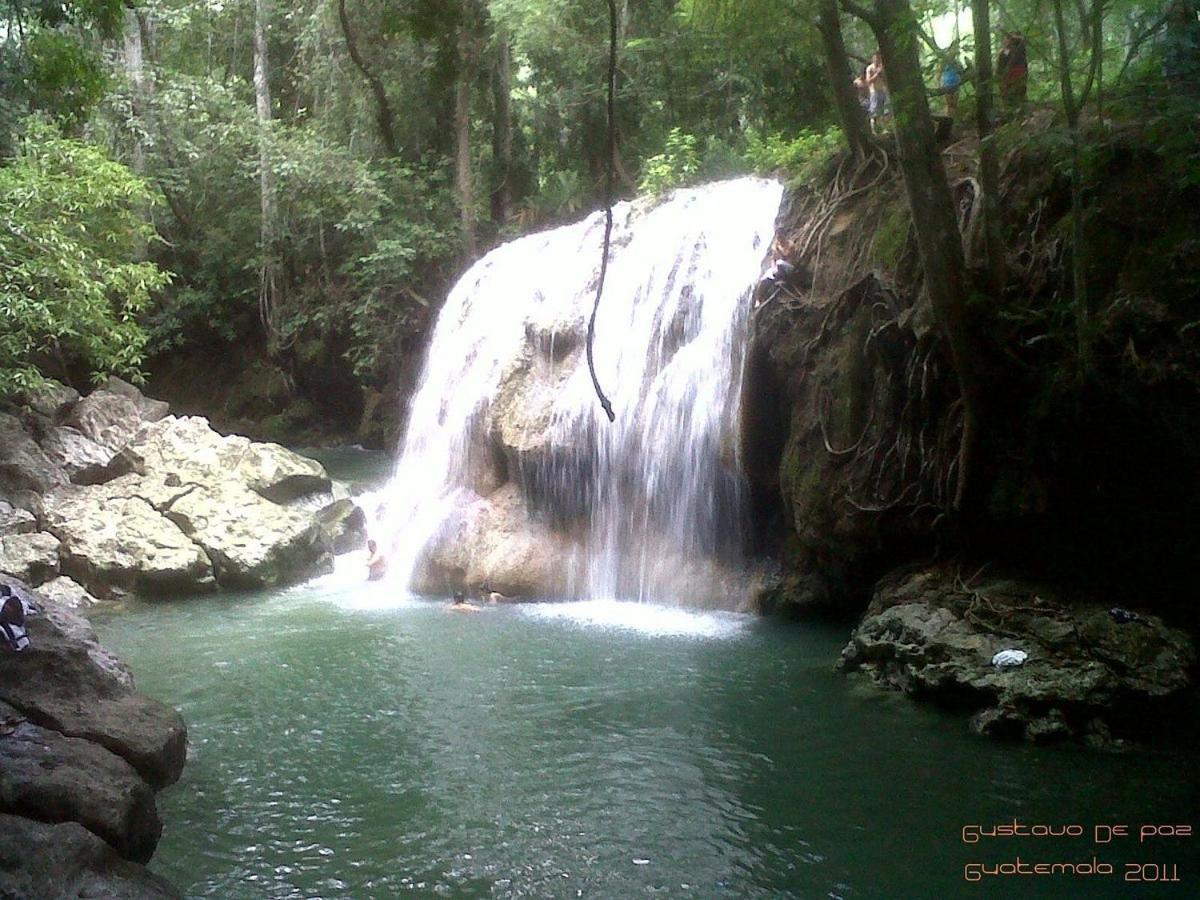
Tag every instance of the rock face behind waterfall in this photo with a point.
(109, 495)
(510, 476)
(81, 756)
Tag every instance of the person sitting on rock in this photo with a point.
(12, 621)
(376, 562)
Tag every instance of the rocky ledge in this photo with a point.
(81, 756)
(108, 494)
(1088, 671)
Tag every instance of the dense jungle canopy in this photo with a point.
(216, 173)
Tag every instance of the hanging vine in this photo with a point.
(610, 153)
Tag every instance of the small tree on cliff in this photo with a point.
(931, 202)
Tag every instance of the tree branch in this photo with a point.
(383, 110)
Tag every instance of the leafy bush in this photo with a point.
(678, 164)
(71, 278)
(798, 159)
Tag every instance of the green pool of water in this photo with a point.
(347, 742)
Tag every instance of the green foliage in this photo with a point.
(403, 229)
(71, 283)
(677, 165)
(799, 159)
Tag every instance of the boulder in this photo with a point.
(24, 467)
(66, 682)
(522, 414)
(344, 524)
(929, 633)
(66, 862)
(252, 542)
(115, 542)
(83, 460)
(494, 541)
(148, 410)
(52, 400)
(67, 593)
(189, 449)
(52, 778)
(110, 420)
(15, 521)
(33, 558)
(280, 475)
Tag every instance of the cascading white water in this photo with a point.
(651, 500)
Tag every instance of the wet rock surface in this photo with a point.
(68, 861)
(1088, 674)
(114, 493)
(82, 753)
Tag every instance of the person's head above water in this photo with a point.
(459, 597)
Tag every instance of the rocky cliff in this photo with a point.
(81, 757)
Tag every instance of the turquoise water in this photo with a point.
(347, 742)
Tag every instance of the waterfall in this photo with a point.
(505, 426)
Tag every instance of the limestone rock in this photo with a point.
(494, 541)
(115, 542)
(926, 633)
(52, 778)
(188, 448)
(111, 420)
(33, 558)
(251, 541)
(148, 410)
(53, 400)
(79, 456)
(67, 683)
(345, 525)
(23, 464)
(67, 862)
(15, 521)
(67, 593)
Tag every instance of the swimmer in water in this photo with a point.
(460, 604)
(376, 562)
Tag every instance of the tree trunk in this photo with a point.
(267, 299)
(462, 130)
(135, 70)
(1083, 326)
(989, 170)
(503, 194)
(383, 109)
(931, 203)
(837, 63)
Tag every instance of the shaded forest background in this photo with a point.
(260, 204)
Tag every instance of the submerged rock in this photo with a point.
(68, 861)
(929, 633)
